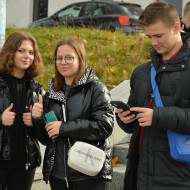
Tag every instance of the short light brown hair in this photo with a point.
(9, 49)
(159, 11)
(77, 45)
(186, 8)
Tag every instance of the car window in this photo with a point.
(104, 9)
(109, 9)
(132, 9)
(71, 11)
(90, 9)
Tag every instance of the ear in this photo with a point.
(177, 27)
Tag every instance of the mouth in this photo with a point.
(63, 68)
(25, 62)
(157, 48)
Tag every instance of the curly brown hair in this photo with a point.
(77, 45)
(9, 49)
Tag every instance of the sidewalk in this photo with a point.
(39, 183)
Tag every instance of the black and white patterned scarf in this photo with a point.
(60, 95)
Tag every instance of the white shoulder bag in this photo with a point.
(84, 157)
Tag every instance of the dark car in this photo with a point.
(102, 14)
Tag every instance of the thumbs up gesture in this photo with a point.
(8, 116)
(38, 108)
(27, 118)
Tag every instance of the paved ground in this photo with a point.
(40, 185)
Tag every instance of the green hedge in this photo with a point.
(113, 55)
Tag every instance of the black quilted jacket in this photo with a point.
(89, 118)
(157, 170)
(32, 146)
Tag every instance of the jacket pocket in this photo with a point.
(168, 172)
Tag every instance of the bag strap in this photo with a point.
(155, 87)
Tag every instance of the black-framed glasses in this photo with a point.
(68, 59)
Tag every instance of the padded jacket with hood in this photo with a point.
(89, 118)
(156, 169)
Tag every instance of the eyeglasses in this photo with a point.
(68, 59)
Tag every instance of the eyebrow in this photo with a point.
(155, 34)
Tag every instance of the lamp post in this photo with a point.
(2, 22)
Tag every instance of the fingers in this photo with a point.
(27, 119)
(128, 119)
(52, 128)
(38, 108)
(10, 107)
(119, 110)
(138, 109)
(144, 117)
(40, 99)
(31, 108)
(125, 117)
(8, 118)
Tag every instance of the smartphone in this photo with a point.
(49, 117)
(120, 105)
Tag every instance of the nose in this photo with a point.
(63, 61)
(153, 41)
(27, 54)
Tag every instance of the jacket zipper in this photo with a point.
(64, 118)
(27, 163)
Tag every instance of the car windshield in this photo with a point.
(132, 9)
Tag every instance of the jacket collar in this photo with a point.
(33, 84)
(60, 95)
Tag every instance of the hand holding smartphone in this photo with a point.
(122, 105)
(49, 117)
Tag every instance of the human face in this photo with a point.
(23, 58)
(69, 71)
(164, 39)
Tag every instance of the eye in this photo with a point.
(69, 57)
(159, 36)
(31, 52)
(59, 58)
(20, 50)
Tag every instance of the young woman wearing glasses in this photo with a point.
(88, 118)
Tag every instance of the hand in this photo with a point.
(8, 116)
(53, 127)
(144, 117)
(27, 118)
(38, 108)
(125, 117)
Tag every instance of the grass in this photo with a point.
(113, 55)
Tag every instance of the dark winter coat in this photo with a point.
(157, 170)
(89, 118)
(32, 146)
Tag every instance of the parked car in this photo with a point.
(102, 14)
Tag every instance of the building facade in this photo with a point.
(20, 13)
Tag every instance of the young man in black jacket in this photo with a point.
(150, 165)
